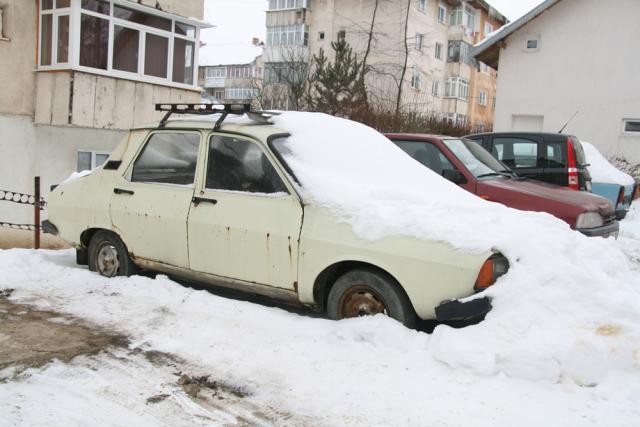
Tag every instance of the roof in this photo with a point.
(488, 50)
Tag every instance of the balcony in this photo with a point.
(210, 82)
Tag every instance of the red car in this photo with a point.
(467, 164)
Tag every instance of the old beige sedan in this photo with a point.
(219, 205)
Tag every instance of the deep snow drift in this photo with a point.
(569, 307)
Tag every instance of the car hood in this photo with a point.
(553, 197)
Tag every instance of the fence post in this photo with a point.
(36, 207)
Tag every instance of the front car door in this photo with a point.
(245, 221)
(150, 204)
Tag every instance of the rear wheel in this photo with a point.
(365, 292)
(108, 256)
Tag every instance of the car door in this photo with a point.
(245, 221)
(150, 204)
(523, 154)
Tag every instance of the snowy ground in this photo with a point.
(294, 369)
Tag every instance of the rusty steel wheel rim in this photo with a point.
(108, 262)
(361, 301)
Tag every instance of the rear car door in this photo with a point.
(523, 154)
(150, 205)
(245, 221)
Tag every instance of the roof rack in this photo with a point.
(206, 109)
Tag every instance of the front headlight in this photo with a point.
(589, 220)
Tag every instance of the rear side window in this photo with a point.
(556, 155)
(427, 154)
(168, 158)
(516, 152)
(580, 157)
(237, 164)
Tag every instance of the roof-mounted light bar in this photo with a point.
(206, 109)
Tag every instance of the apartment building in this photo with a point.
(234, 83)
(434, 37)
(78, 73)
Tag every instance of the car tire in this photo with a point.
(363, 292)
(109, 257)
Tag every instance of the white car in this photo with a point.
(222, 206)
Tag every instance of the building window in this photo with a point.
(288, 35)
(463, 15)
(439, 51)
(288, 73)
(422, 5)
(459, 51)
(321, 35)
(435, 88)
(442, 14)
(2, 32)
(215, 72)
(482, 98)
(488, 28)
(241, 71)
(419, 40)
(532, 43)
(126, 42)
(479, 128)
(631, 125)
(457, 87)
(484, 68)
(415, 81)
(89, 160)
(288, 4)
(240, 93)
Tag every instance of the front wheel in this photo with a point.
(364, 292)
(108, 256)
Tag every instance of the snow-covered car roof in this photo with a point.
(601, 170)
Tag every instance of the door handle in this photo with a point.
(122, 191)
(197, 200)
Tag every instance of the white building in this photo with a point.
(568, 56)
(77, 73)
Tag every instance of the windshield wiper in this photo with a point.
(489, 174)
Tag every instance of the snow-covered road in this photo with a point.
(295, 369)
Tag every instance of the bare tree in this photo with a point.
(406, 59)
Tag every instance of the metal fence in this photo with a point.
(34, 200)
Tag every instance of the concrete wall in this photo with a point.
(586, 62)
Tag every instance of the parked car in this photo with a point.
(220, 205)
(609, 182)
(554, 158)
(465, 163)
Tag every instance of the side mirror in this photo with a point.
(454, 176)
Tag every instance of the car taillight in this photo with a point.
(572, 167)
(494, 267)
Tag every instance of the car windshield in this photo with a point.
(475, 158)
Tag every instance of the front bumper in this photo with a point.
(609, 230)
(458, 310)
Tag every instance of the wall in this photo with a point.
(17, 57)
(586, 62)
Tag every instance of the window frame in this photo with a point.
(630, 132)
(129, 171)
(455, 86)
(422, 5)
(482, 99)
(75, 12)
(441, 17)
(419, 41)
(438, 48)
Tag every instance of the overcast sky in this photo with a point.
(238, 21)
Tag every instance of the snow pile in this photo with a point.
(568, 307)
(310, 371)
(601, 170)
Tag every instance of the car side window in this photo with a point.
(516, 152)
(237, 164)
(556, 155)
(168, 158)
(427, 154)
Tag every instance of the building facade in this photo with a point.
(232, 83)
(78, 73)
(424, 44)
(550, 71)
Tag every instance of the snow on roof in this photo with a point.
(562, 288)
(603, 171)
